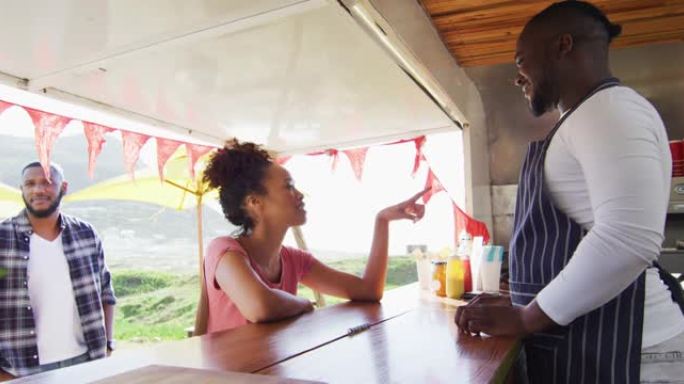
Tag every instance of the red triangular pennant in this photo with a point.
(47, 127)
(194, 153)
(165, 148)
(470, 225)
(94, 134)
(418, 142)
(4, 105)
(357, 157)
(334, 154)
(132, 143)
(434, 184)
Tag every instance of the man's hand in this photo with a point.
(496, 316)
(494, 320)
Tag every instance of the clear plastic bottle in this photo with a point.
(465, 248)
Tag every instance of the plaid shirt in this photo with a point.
(90, 279)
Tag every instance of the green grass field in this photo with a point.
(156, 306)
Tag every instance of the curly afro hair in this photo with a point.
(238, 170)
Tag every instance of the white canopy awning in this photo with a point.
(296, 75)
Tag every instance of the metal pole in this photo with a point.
(203, 303)
(299, 238)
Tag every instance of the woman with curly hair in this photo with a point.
(252, 277)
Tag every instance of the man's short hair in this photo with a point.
(55, 169)
(557, 12)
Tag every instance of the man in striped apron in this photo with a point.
(578, 303)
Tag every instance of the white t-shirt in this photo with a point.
(58, 325)
(608, 167)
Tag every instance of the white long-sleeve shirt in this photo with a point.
(608, 167)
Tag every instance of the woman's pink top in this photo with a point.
(223, 313)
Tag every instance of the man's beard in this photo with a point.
(538, 106)
(540, 103)
(542, 100)
(41, 214)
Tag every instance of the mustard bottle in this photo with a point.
(455, 276)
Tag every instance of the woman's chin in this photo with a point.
(302, 219)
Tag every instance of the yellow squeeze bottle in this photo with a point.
(455, 276)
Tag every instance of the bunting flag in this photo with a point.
(194, 153)
(357, 157)
(282, 160)
(94, 134)
(4, 105)
(335, 156)
(165, 148)
(418, 142)
(333, 153)
(47, 127)
(470, 225)
(461, 219)
(434, 184)
(132, 142)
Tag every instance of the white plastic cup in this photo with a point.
(423, 269)
(490, 267)
(475, 260)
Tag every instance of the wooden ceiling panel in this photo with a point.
(484, 32)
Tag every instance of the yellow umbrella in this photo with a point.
(178, 190)
(10, 201)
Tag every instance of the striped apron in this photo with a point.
(602, 346)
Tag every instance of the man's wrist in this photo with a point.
(534, 319)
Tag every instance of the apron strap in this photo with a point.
(672, 284)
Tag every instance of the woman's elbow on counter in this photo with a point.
(258, 314)
(369, 295)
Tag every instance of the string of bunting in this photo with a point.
(48, 126)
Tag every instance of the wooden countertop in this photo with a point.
(415, 340)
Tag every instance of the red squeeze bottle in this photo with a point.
(468, 277)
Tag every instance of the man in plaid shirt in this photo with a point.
(56, 299)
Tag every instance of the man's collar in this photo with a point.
(21, 221)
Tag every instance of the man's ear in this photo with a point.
(64, 187)
(565, 44)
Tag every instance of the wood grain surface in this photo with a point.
(153, 374)
(484, 32)
(422, 346)
(413, 340)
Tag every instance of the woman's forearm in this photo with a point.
(376, 269)
(280, 305)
